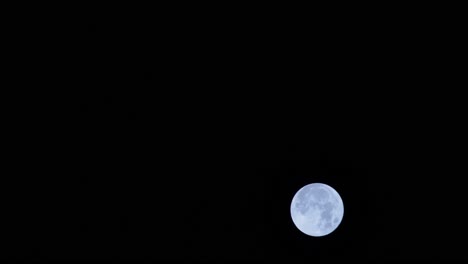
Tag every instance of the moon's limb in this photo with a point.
(317, 209)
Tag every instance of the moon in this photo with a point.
(317, 209)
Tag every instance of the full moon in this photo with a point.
(317, 209)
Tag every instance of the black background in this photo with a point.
(186, 139)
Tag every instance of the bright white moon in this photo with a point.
(317, 209)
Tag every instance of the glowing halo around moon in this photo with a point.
(317, 209)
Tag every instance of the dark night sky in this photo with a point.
(187, 141)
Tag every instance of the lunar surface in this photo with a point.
(317, 209)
